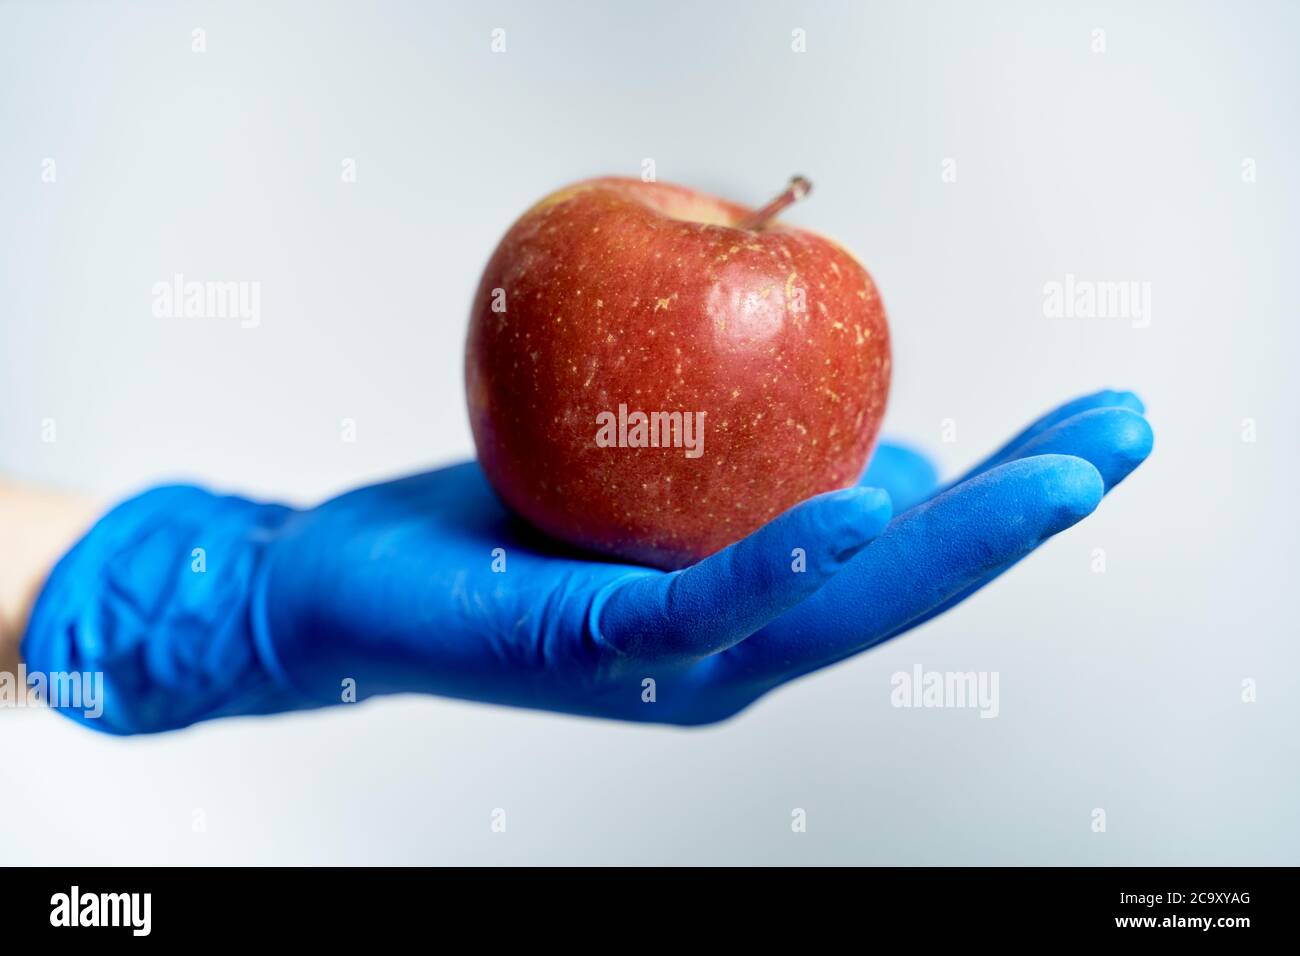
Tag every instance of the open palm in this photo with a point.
(428, 584)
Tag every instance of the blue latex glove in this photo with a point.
(428, 585)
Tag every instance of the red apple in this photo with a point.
(615, 297)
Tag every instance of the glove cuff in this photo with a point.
(153, 611)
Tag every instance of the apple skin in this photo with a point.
(617, 291)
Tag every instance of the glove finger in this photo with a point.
(1114, 440)
(1107, 398)
(700, 610)
(908, 475)
(926, 556)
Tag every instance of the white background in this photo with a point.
(1119, 691)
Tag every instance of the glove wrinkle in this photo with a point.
(155, 600)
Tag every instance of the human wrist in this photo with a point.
(154, 602)
(37, 526)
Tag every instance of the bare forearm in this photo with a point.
(36, 528)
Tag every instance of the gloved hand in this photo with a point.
(197, 606)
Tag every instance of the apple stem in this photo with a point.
(798, 188)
